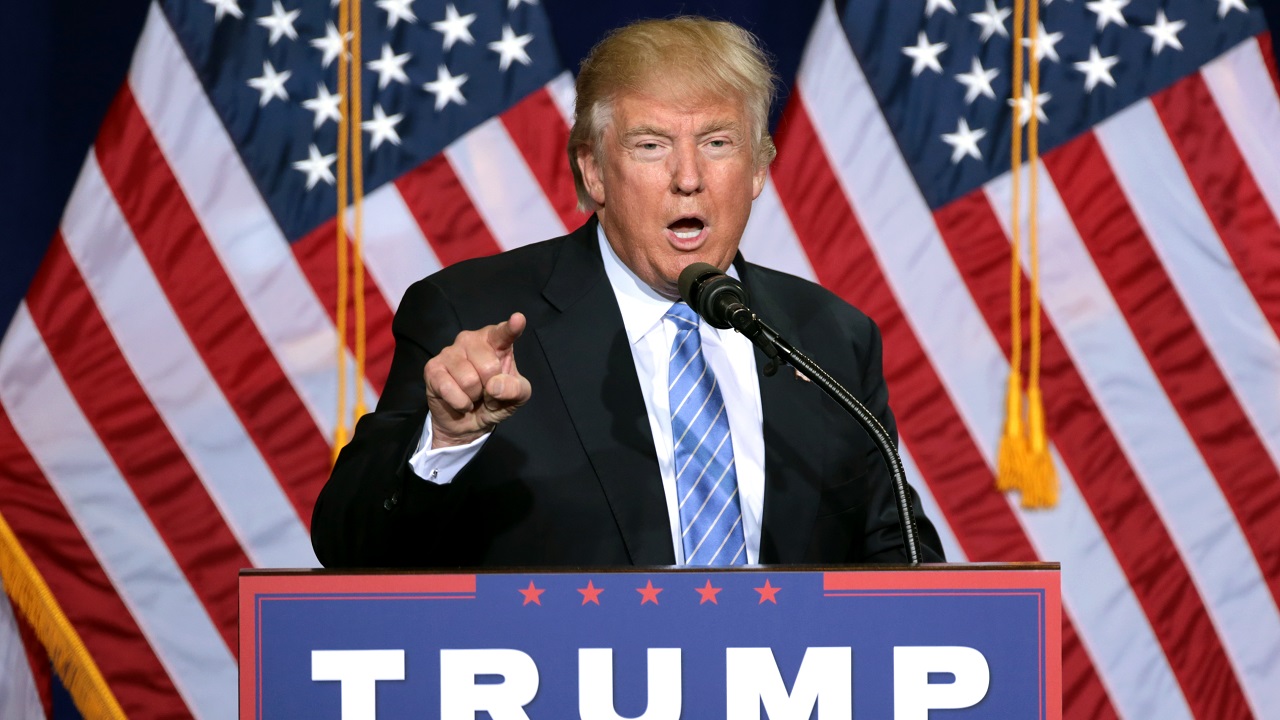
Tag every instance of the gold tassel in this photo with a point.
(1023, 460)
(1011, 457)
(1040, 479)
(350, 255)
(340, 221)
(72, 661)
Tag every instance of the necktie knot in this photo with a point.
(682, 314)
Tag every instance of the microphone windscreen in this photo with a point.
(688, 281)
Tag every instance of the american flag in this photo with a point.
(168, 386)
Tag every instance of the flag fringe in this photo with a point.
(33, 598)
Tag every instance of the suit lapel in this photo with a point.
(794, 439)
(587, 350)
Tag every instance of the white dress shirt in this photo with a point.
(729, 355)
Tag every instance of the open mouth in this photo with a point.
(687, 228)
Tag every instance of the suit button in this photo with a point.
(392, 501)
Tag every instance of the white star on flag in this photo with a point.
(331, 44)
(382, 127)
(397, 10)
(324, 105)
(1025, 103)
(279, 22)
(447, 88)
(924, 55)
(225, 7)
(1108, 11)
(933, 6)
(1045, 44)
(978, 81)
(390, 67)
(511, 47)
(964, 141)
(991, 20)
(1097, 69)
(1164, 33)
(270, 84)
(1226, 6)
(455, 27)
(316, 166)
(513, 4)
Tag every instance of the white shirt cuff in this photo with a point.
(442, 465)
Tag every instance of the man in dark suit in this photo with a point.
(561, 432)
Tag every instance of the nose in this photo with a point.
(686, 173)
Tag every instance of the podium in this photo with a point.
(936, 641)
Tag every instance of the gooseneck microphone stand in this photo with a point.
(720, 299)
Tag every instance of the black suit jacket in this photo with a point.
(572, 478)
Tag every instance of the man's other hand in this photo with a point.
(473, 384)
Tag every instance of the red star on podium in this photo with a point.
(708, 593)
(768, 592)
(649, 593)
(532, 594)
(590, 593)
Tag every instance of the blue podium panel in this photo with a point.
(962, 641)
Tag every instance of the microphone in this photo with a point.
(712, 294)
(722, 302)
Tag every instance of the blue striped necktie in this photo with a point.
(706, 482)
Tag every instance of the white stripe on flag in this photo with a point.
(501, 186)
(176, 381)
(18, 697)
(240, 227)
(563, 93)
(117, 529)
(395, 251)
(1239, 83)
(1164, 457)
(969, 361)
(1221, 305)
(769, 238)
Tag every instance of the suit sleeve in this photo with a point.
(374, 511)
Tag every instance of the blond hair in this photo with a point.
(689, 54)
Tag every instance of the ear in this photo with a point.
(592, 177)
(757, 181)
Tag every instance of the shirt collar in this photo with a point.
(642, 307)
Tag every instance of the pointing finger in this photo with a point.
(503, 335)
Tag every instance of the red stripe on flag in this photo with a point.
(1227, 189)
(538, 130)
(207, 304)
(136, 437)
(1169, 338)
(1137, 536)
(444, 211)
(317, 256)
(960, 478)
(1269, 58)
(49, 535)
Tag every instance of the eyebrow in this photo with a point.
(715, 127)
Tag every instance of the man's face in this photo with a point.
(674, 183)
